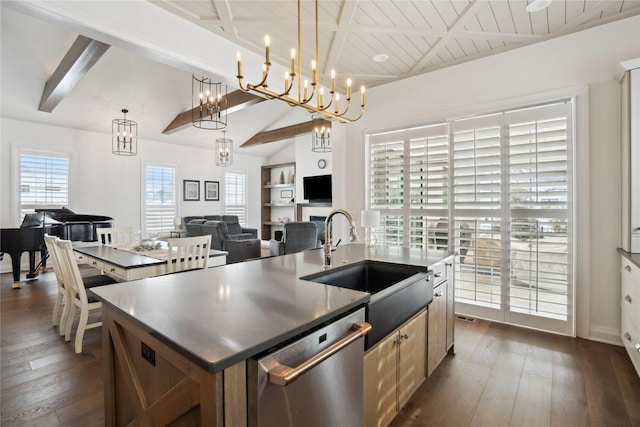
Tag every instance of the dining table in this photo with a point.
(125, 263)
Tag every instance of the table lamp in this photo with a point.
(370, 220)
(177, 222)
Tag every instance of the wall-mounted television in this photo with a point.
(317, 188)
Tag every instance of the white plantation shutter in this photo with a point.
(44, 180)
(159, 198)
(540, 209)
(235, 195)
(477, 203)
(502, 184)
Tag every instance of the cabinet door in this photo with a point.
(380, 393)
(437, 328)
(411, 367)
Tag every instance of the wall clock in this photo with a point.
(322, 163)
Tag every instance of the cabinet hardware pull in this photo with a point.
(628, 268)
(438, 294)
(405, 336)
(438, 274)
(627, 336)
(94, 263)
(628, 298)
(113, 270)
(283, 375)
(449, 264)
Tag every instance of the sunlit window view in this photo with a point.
(495, 188)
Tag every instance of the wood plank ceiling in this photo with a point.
(418, 36)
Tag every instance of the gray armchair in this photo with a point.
(296, 237)
(236, 230)
(238, 249)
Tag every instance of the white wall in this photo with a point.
(105, 184)
(582, 64)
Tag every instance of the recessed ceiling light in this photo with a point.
(537, 5)
(380, 57)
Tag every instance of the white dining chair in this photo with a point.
(61, 298)
(188, 253)
(77, 298)
(114, 235)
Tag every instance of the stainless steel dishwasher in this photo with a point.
(313, 381)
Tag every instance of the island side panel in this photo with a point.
(148, 383)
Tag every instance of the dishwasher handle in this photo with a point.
(283, 375)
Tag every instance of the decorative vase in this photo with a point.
(282, 177)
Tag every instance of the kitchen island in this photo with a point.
(176, 346)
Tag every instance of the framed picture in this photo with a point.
(211, 190)
(191, 190)
(286, 194)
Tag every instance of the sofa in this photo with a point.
(238, 249)
(193, 225)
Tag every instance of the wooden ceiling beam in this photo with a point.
(82, 55)
(236, 101)
(282, 133)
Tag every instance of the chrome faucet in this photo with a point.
(328, 247)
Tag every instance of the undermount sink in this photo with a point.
(398, 291)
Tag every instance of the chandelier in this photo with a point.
(224, 151)
(124, 136)
(209, 102)
(329, 110)
(320, 136)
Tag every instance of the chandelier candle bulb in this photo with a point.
(267, 48)
(362, 96)
(239, 57)
(337, 102)
(292, 70)
(333, 81)
(349, 89)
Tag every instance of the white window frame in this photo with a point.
(407, 215)
(167, 223)
(21, 209)
(229, 209)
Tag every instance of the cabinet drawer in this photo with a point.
(630, 291)
(630, 334)
(439, 273)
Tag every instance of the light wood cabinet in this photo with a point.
(440, 331)
(437, 329)
(393, 370)
(278, 197)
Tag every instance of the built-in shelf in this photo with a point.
(274, 205)
(279, 186)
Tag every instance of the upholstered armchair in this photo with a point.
(194, 226)
(238, 249)
(236, 230)
(296, 237)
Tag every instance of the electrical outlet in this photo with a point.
(148, 354)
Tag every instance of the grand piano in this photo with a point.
(29, 237)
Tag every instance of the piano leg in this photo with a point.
(15, 267)
(33, 271)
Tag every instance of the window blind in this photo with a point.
(44, 180)
(160, 198)
(235, 198)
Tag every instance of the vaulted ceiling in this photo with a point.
(417, 37)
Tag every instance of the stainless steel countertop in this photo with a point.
(219, 316)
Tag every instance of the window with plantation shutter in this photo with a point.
(498, 190)
(159, 198)
(235, 195)
(44, 180)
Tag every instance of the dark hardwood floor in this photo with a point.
(500, 375)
